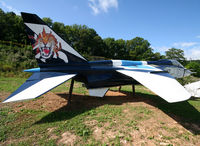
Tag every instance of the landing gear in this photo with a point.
(133, 89)
(70, 91)
(119, 88)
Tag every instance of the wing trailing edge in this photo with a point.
(160, 83)
(38, 84)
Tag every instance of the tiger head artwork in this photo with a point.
(47, 46)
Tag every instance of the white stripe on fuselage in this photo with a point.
(140, 68)
(144, 62)
(117, 62)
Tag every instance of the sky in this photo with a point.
(164, 23)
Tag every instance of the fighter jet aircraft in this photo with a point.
(59, 62)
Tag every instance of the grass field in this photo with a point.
(117, 119)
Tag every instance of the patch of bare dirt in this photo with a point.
(54, 101)
(113, 93)
(68, 138)
(48, 102)
(50, 133)
(91, 123)
(104, 135)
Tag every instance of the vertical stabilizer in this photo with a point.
(49, 48)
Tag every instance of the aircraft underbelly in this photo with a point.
(108, 80)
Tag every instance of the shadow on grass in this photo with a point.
(183, 112)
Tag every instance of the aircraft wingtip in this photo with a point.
(180, 99)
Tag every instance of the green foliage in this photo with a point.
(139, 49)
(12, 27)
(135, 49)
(10, 84)
(187, 80)
(194, 66)
(176, 54)
(13, 58)
(48, 21)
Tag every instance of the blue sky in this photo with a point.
(164, 23)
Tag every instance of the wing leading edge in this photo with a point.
(160, 83)
(38, 84)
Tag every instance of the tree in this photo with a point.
(59, 28)
(48, 21)
(194, 66)
(110, 47)
(176, 54)
(120, 49)
(12, 28)
(139, 49)
(157, 56)
(85, 40)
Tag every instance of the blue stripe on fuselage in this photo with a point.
(32, 70)
(131, 63)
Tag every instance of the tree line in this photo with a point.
(85, 40)
(82, 38)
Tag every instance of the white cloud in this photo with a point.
(10, 8)
(94, 7)
(193, 53)
(191, 49)
(161, 49)
(185, 44)
(98, 6)
(198, 36)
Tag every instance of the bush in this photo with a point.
(6, 68)
(194, 66)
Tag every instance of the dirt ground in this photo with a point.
(149, 129)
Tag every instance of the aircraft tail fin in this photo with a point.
(49, 48)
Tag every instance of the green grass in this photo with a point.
(30, 126)
(10, 84)
(6, 117)
(65, 88)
